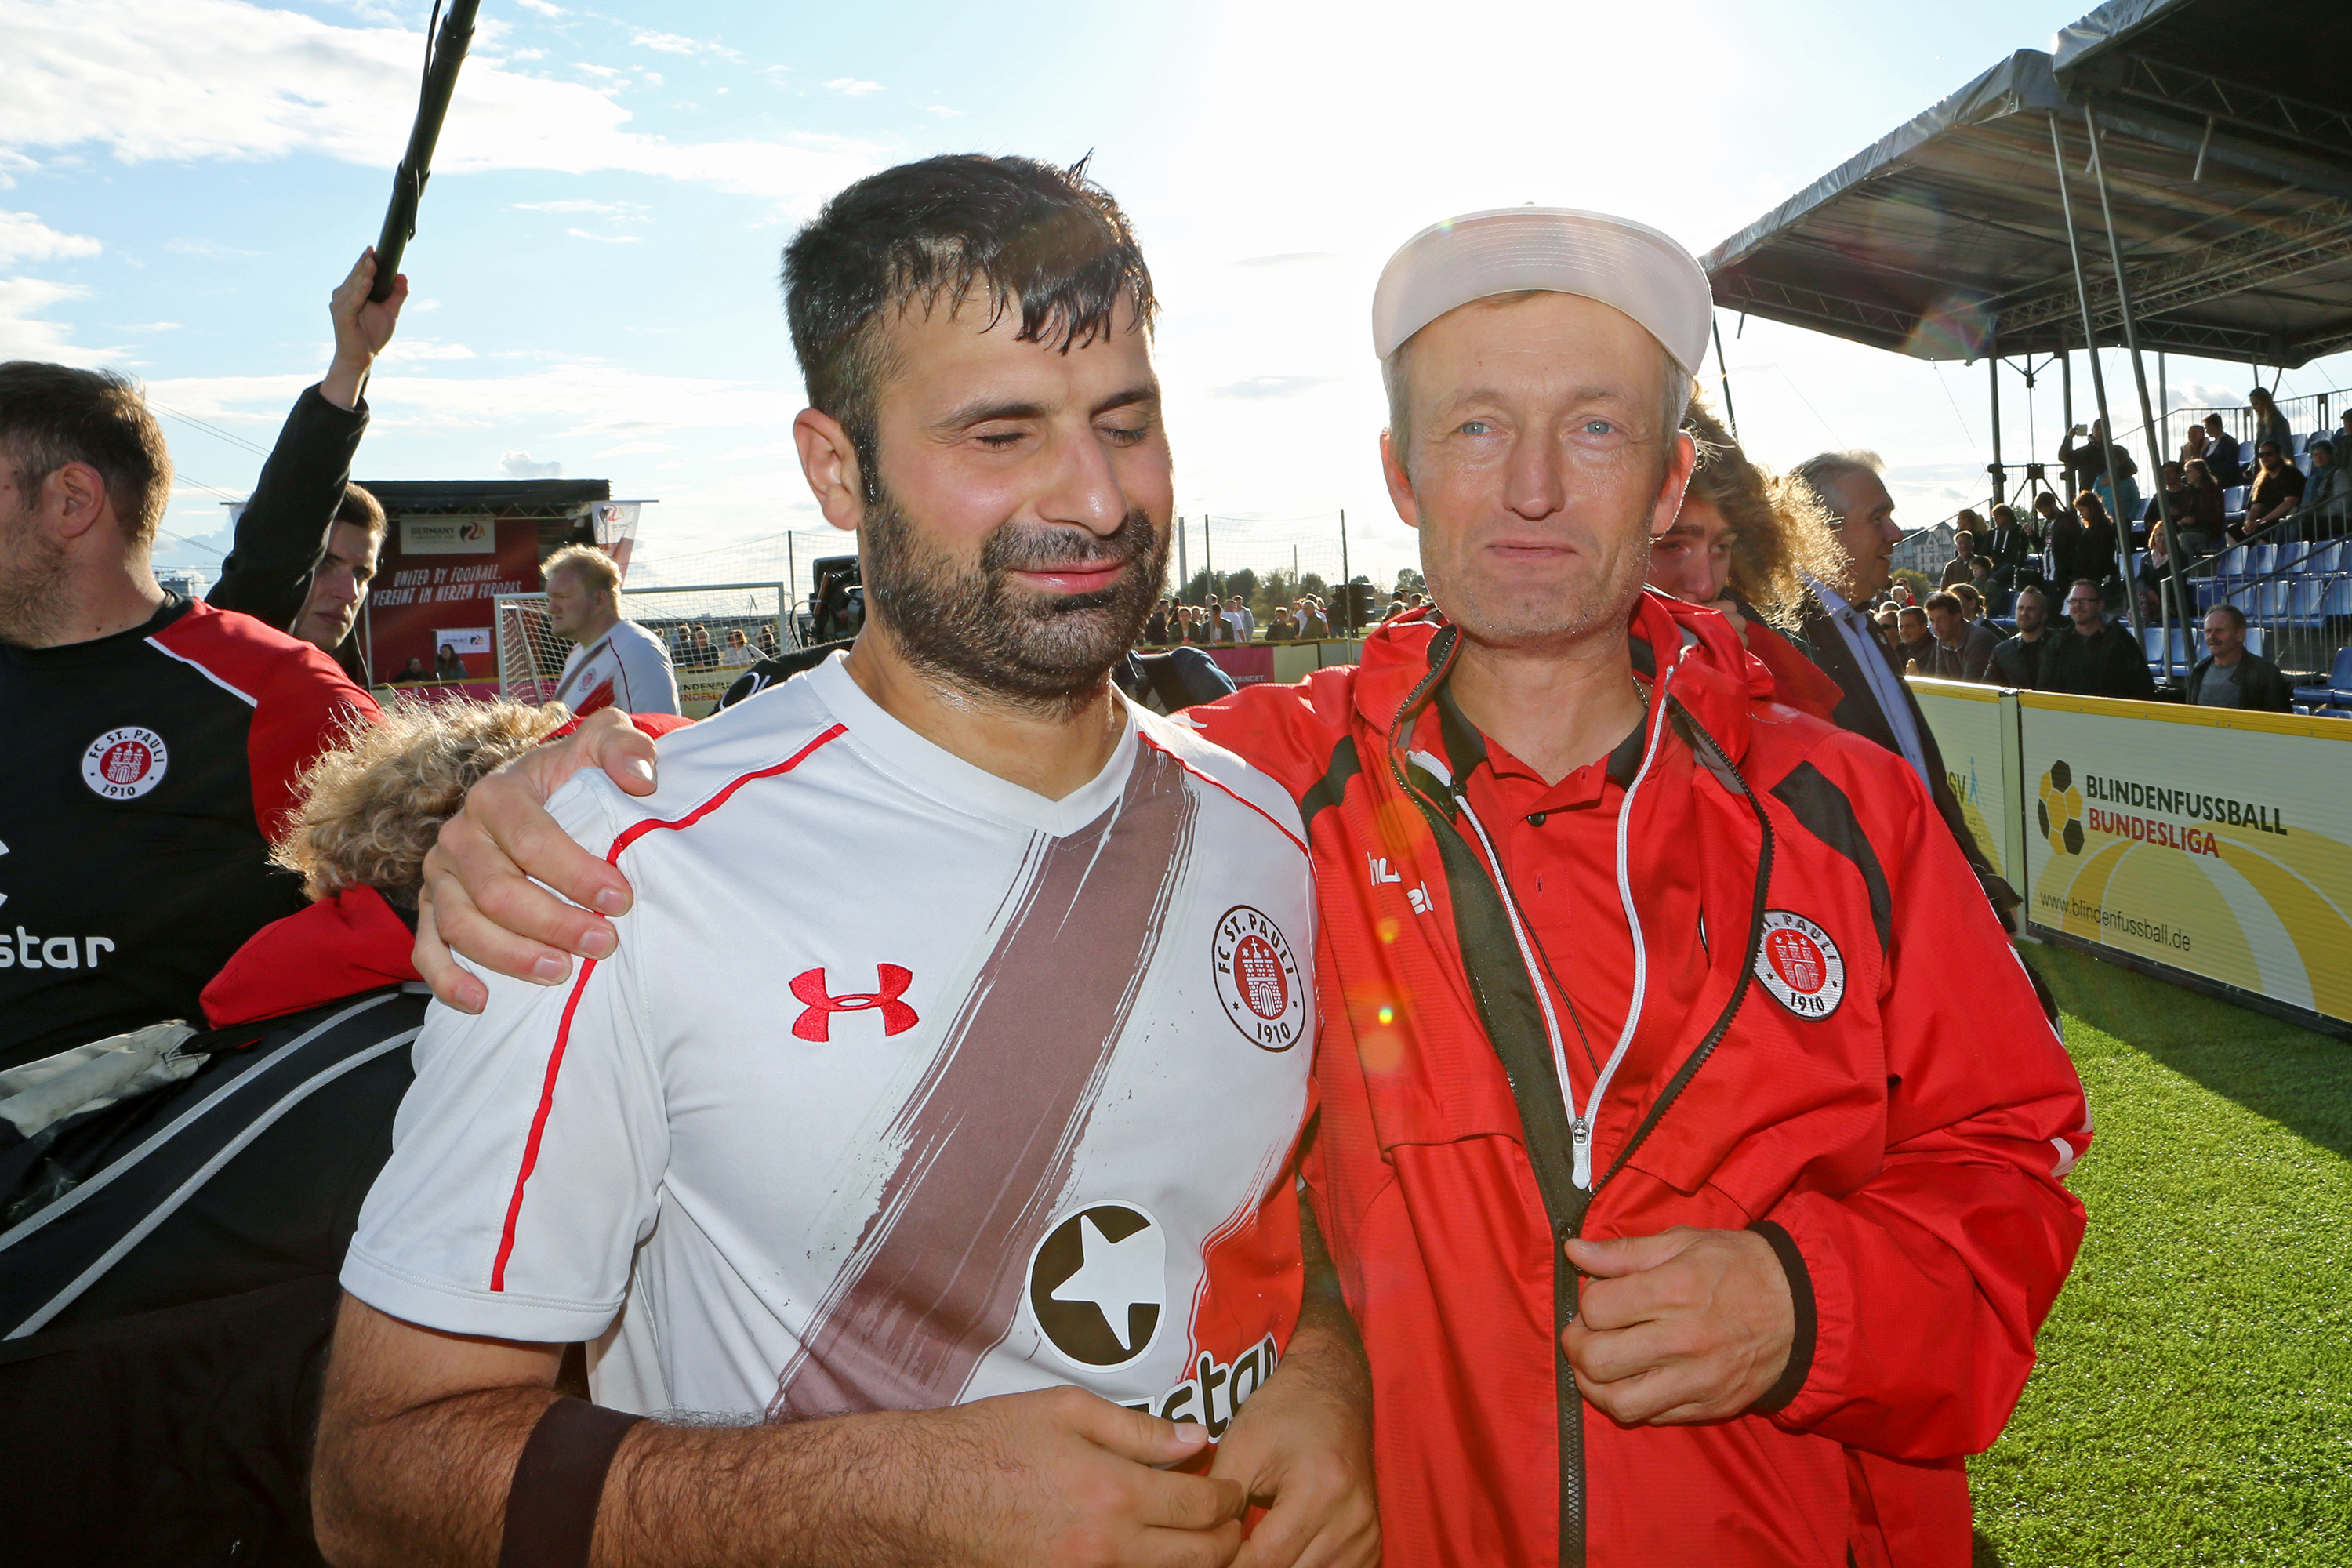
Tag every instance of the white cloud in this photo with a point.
(24, 334)
(632, 449)
(526, 53)
(852, 87)
(519, 466)
(678, 44)
(229, 80)
(24, 237)
(540, 6)
(944, 112)
(605, 238)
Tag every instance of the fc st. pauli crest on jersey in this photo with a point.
(1257, 979)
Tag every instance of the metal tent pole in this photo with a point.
(2146, 415)
(2122, 529)
(1347, 593)
(1999, 474)
(1184, 575)
(1723, 374)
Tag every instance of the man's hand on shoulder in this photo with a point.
(481, 894)
(1684, 1326)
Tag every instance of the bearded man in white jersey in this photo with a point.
(967, 1206)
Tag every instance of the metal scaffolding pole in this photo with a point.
(1723, 372)
(2106, 427)
(1999, 474)
(2147, 417)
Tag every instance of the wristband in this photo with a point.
(550, 1517)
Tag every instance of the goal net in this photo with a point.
(693, 623)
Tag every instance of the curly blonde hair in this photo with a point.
(373, 806)
(1779, 531)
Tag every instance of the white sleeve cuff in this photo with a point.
(453, 1310)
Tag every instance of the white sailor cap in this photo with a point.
(1626, 265)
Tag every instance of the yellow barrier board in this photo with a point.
(2212, 841)
(1976, 729)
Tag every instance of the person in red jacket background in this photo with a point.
(1691, 1148)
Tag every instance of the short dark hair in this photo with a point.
(2237, 617)
(2090, 582)
(1049, 239)
(360, 507)
(52, 415)
(1944, 601)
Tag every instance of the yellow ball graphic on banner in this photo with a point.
(2061, 810)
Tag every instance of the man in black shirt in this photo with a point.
(156, 739)
(308, 539)
(2017, 662)
(2091, 656)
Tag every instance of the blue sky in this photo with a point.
(180, 186)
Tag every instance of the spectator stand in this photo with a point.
(2127, 192)
(530, 656)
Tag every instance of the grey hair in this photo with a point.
(1824, 470)
(1395, 382)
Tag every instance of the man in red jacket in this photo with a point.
(1691, 1211)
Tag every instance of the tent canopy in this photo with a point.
(1945, 238)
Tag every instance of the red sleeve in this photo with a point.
(1930, 1280)
(302, 701)
(306, 705)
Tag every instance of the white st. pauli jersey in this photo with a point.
(627, 669)
(906, 1086)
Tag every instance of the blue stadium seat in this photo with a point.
(2336, 598)
(2230, 563)
(2302, 607)
(2261, 559)
(2337, 693)
(2234, 499)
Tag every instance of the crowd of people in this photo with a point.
(937, 1110)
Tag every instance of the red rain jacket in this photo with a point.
(1897, 1129)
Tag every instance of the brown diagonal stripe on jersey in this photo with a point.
(989, 1134)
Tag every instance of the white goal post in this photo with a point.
(530, 656)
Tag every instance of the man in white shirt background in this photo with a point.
(615, 663)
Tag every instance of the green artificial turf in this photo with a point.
(2193, 1400)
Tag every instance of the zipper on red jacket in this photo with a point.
(1533, 1079)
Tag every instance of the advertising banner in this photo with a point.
(2214, 841)
(1248, 665)
(417, 596)
(448, 536)
(1976, 732)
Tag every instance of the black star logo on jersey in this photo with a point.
(1097, 1284)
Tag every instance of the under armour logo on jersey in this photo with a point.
(815, 1023)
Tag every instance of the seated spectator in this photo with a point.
(2154, 580)
(448, 666)
(2230, 677)
(2173, 502)
(2202, 521)
(2328, 496)
(2269, 422)
(1963, 650)
(737, 654)
(1962, 566)
(1972, 600)
(158, 738)
(1914, 641)
(2090, 656)
(2276, 491)
(308, 540)
(181, 1364)
(2194, 447)
(2017, 662)
(2222, 453)
(412, 671)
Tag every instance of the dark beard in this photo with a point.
(34, 569)
(976, 631)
